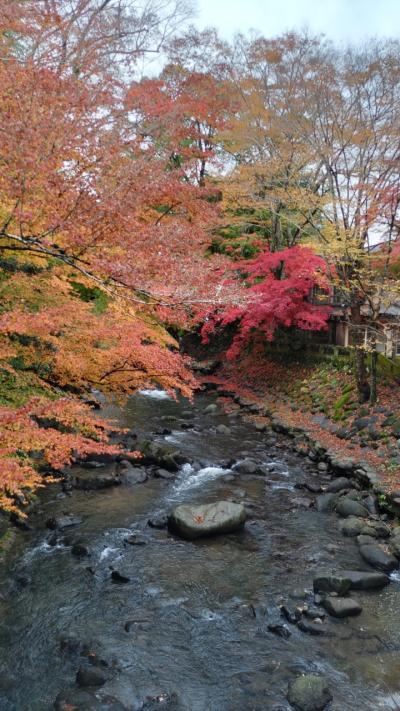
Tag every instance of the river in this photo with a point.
(193, 619)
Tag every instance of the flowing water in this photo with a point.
(193, 620)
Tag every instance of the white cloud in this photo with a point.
(343, 20)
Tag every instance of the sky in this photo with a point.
(341, 20)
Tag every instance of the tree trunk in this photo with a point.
(363, 387)
(374, 373)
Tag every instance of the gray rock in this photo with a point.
(352, 526)
(365, 580)
(158, 521)
(246, 466)
(211, 409)
(364, 540)
(309, 693)
(376, 529)
(339, 484)
(164, 456)
(130, 475)
(313, 628)
(136, 539)
(192, 522)
(349, 507)
(344, 464)
(164, 474)
(378, 557)
(345, 580)
(280, 630)
(261, 426)
(224, 430)
(90, 481)
(394, 546)
(342, 606)
(326, 502)
(59, 523)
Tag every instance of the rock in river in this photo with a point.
(130, 475)
(309, 693)
(64, 521)
(346, 580)
(91, 676)
(192, 522)
(377, 556)
(342, 606)
(89, 481)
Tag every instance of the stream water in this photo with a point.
(197, 613)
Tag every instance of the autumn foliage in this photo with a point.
(278, 287)
(102, 224)
(128, 203)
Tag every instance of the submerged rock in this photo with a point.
(91, 677)
(78, 700)
(162, 702)
(79, 549)
(280, 630)
(136, 539)
(192, 522)
(309, 693)
(118, 577)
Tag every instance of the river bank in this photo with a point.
(221, 624)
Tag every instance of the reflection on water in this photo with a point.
(192, 618)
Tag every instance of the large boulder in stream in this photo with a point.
(309, 693)
(158, 453)
(192, 522)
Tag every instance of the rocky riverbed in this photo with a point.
(106, 606)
